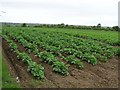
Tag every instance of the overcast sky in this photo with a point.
(77, 12)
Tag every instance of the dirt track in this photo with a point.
(103, 75)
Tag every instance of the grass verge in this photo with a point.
(7, 80)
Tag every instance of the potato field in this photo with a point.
(61, 57)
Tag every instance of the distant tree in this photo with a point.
(66, 25)
(24, 25)
(116, 28)
(109, 28)
(62, 24)
(99, 25)
(58, 25)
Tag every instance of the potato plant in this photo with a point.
(36, 70)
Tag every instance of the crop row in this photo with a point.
(44, 56)
(62, 44)
(36, 70)
(47, 56)
(110, 37)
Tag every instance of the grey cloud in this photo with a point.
(57, 11)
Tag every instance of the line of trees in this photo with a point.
(62, 25)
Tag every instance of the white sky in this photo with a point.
(77, 12)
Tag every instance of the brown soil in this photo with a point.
(103, 75)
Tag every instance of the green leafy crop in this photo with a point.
(73, 60)
(36, 70)
(24, 57)
(89, 58)
(60, 67)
